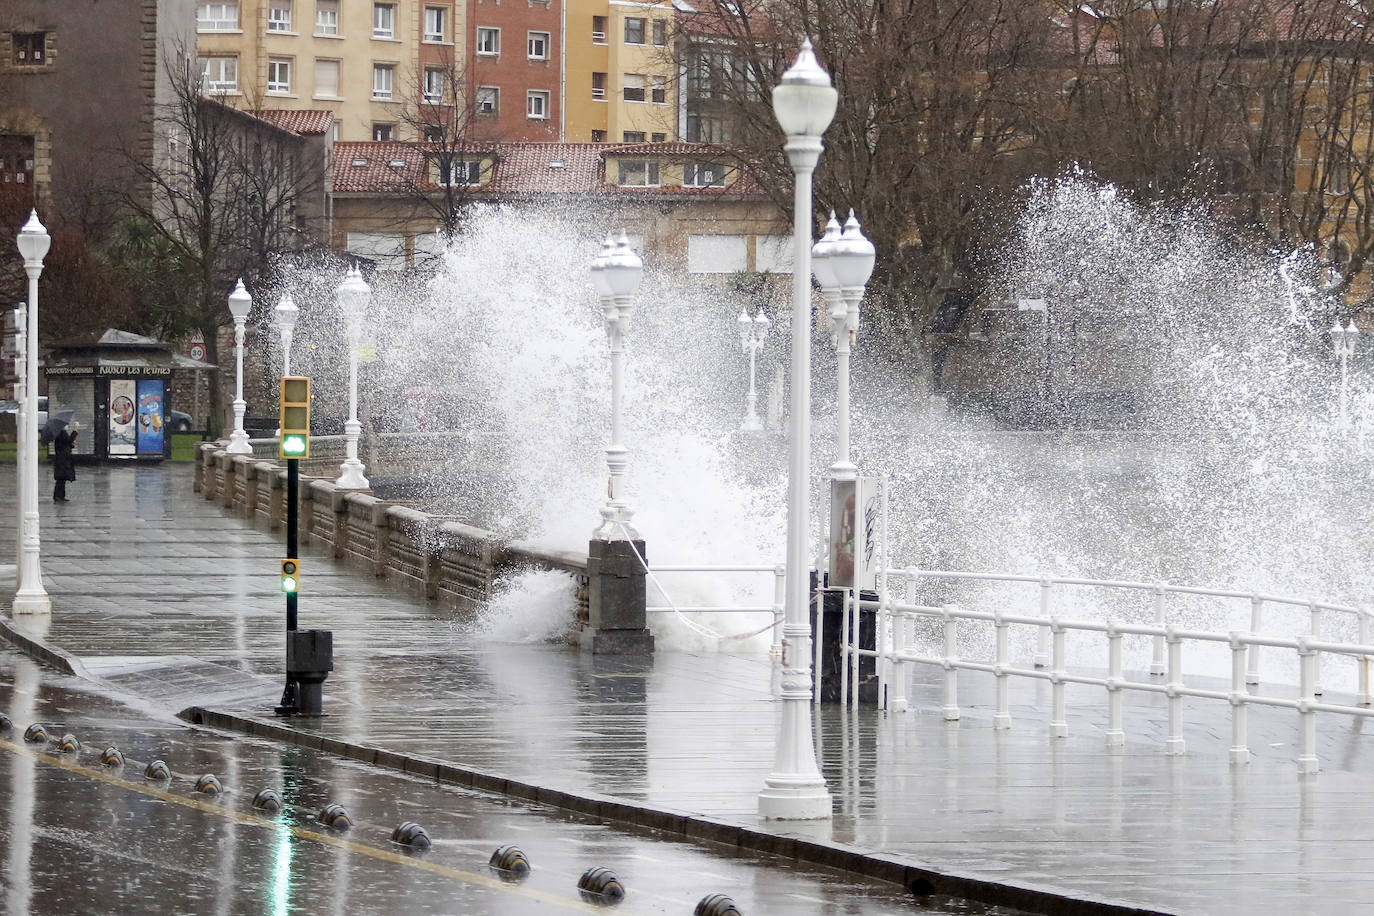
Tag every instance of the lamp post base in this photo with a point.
(31, 602)
(351, 476)
(788, 801)
(238, 443)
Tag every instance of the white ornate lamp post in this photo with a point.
(843, 262)
(31, 598)
(804, 104)
(21, 312)
(1343, 340)
(353, 296)
(287, 312)
(616, 273)
(752, 332)
(239, 305)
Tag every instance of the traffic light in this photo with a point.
(295, 417)
(290, 576)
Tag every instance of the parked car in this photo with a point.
(13, 407)
(178, 421)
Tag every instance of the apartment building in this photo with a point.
(372, 65)
(620, 72)
(516, 69)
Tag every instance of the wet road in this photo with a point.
(80, 837)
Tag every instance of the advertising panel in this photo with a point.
(150, 418)
(855, 510)
(123, 411)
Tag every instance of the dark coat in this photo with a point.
(63, 467)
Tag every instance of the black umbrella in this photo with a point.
(56, 423)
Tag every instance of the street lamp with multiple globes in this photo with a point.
(804, 104)
(353, 296)
(287, 312)
(1344, 340)
(843, 261)
(240, 303)
(31, 598)
(752, 332)
(616, 273)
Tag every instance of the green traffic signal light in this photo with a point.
(293, 445)
(290, 576)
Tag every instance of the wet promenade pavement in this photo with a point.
(171, 603)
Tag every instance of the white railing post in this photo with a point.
(1116, 733)
(1316, 613)
(1059, 721)
(951, 673)
(1042, 645)
(1364, 659)
(779, 600)
(855, 642)
(1173, 744)
(1252, 677)
(1157, 659)
(1002, 718)
(819, 596)
(1240, 710)
(844, 647)
(1307, 659)
(882, 623)
(900, 630)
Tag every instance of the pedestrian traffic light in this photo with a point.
(295, 417)
(290, 576)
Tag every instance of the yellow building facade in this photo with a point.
(620, 83)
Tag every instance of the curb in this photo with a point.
(919, 880)
(51, 656)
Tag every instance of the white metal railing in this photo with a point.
(1049, 660)
(776, 608)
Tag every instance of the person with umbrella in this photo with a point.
(60, 434)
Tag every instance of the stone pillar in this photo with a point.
(617, 619)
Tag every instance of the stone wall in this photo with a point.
(442, 561)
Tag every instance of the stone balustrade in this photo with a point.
(443, 561)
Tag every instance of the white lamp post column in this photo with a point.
(804, 104)
(239, 305)
(31, 598)
(843, 261)
(1343, 340)
(353, 296)
(752, 332)
(20, 456)
(287, 312)
(616, 273)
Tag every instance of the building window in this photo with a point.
(383, 20)
(488, 41)
(278, 74)
(717, 254)
(634, 30)
(383, 80)
(1338, 177)
(217, 17)
(537, 104)
(638, 173)
(658, 138)
(434, 85)
(703, 175)
(706, 130)
(658, 93)
(436, 23)
(221, 74)
(326, 17)
(279, 16)
(599, 30)
(30, 48)
(539, 45)
(488, 100)
(660, 32)
(434, 133)
(598, 136)
(632, 136)
(327, 78)
(383, 132)
(459, 172)
(598, 85)
(634, 87)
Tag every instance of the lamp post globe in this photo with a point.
(804, 104)
(353, 296)
(30, 597)
(287, 312)
(616, 275)
(240, 304)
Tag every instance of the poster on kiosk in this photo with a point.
(854, 513)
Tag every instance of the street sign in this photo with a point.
(196, 349)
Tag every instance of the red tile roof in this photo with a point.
(521, 168)
(306, 121)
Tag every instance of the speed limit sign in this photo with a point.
(197, 348)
